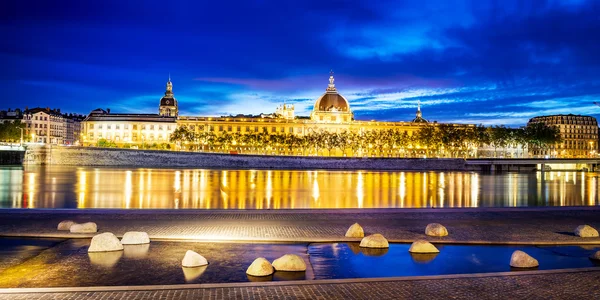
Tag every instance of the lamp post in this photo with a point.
(21, 144)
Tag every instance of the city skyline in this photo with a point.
(483, 63)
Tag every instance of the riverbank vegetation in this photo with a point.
(432, 140)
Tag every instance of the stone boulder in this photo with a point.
(595, 256)
(435, 229)
(260, 267)
(89, 227)
(193, 259)
(355, 231)
(105, 242)
(520, 259)
(374, 241)
(289, 262)
(423, 246)
(586, 231)
(65, 225)
(135, 238)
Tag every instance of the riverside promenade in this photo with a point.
(546, 226)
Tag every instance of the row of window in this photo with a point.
(125, 137)
(579, 136)
(134, 127)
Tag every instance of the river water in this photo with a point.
(131, 188)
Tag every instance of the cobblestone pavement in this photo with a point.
(470, 225)
(581, 285)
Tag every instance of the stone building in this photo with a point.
(579, 136)
(45, 125)
(331, 112)
(11, 115)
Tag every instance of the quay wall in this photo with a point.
(88, 156)
(11, 157)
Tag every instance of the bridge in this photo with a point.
(540, 164)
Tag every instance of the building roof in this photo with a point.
(48, 111)
(331, 101)
(129, 118)
(419, 116)
(168, 99)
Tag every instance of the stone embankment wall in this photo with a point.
(11, 157)
(86, 156)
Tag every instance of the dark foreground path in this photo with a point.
(558, 285)
(547, 225)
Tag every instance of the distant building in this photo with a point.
(11, 115)
(579, 135)
(50, 126)
(72, 133)
(331, 113)
(45, 125)
(133, 129)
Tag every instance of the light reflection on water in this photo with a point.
(82, 187)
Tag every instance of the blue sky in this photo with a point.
(489, 62)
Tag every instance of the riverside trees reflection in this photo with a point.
(431, 140)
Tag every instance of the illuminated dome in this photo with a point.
(331, 100)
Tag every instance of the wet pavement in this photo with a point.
(66, 263)
(14, 251)
(464, 225)
(69, 264)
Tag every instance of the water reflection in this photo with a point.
(65, 187)
(192, 274)
(341, 260)
(136, 251)
(106, 260)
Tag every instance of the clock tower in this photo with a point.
(168, 103)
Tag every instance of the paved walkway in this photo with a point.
(544, 285)
(551, 226)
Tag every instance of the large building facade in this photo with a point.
(579, 136)
(331, 113)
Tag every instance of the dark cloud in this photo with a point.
(458, 58)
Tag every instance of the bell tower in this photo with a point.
(168, 104)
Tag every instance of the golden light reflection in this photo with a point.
(442, 186)
(282, 189)
(315, 188)
(402, 189)
(82, 189)
(360, 193)
(31, 191)
(128, 189)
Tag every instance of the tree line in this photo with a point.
(437, 140)
(11, 131)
